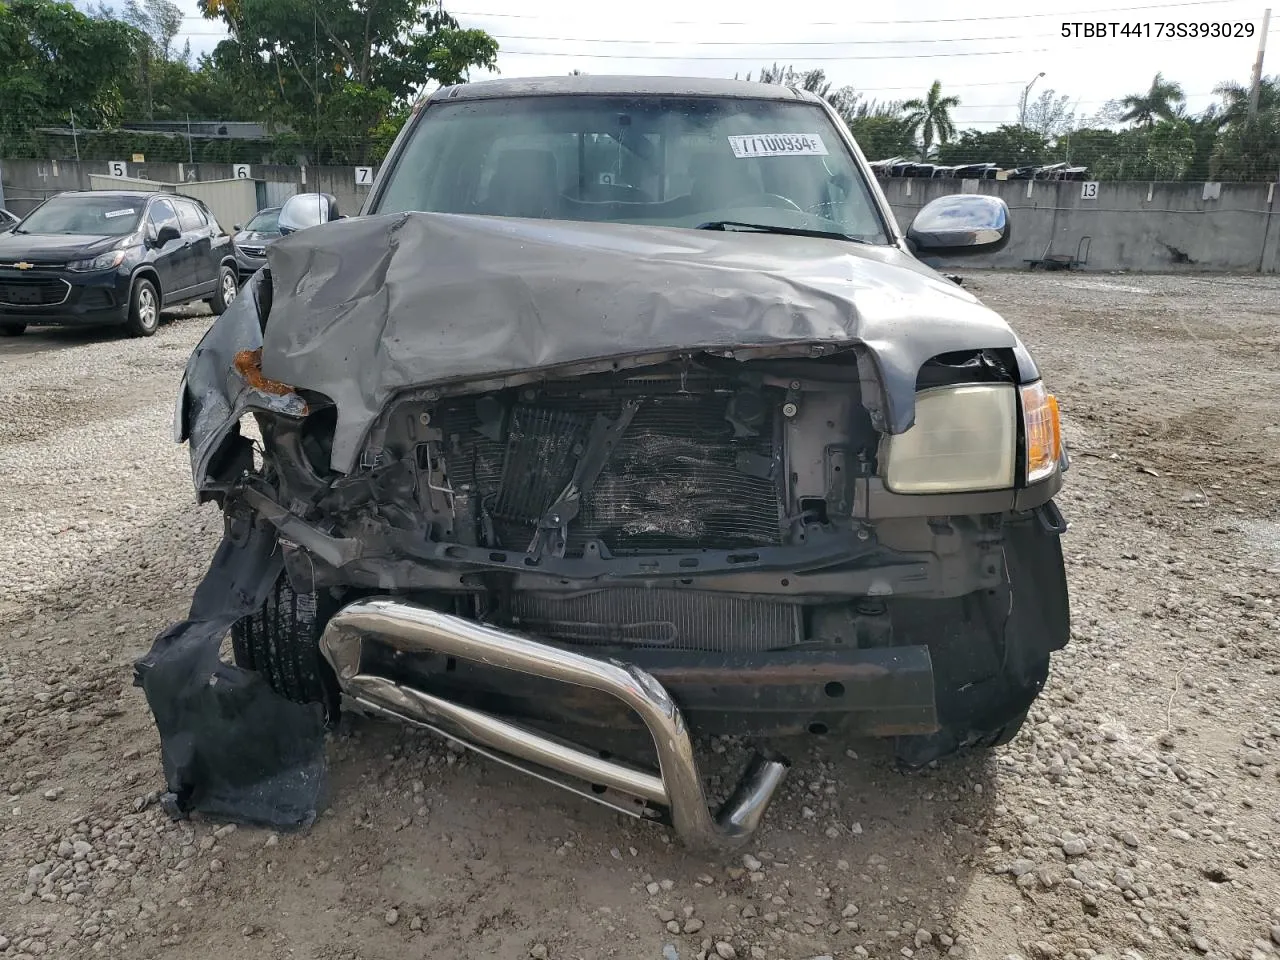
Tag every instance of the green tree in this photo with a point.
(882, 137)
(333, 70)
(1159, 102)
(1008, 146)
(1050, 115)
(930, 117)
(56, 62)
(1235, 99)
(1249, 151)
(846, 101)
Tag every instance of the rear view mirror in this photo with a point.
(961, 224)
(307, 210)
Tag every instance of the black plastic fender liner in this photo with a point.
(231, 747)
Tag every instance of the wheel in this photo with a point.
(281, 642)
(12, 329)
(225, 294)
(144, 309)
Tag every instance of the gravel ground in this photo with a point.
(1136, 816)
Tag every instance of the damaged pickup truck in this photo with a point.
(623, 414)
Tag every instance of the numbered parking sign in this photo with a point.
(1089, 190)
(364, 176)
(240, 171)
(117, 168)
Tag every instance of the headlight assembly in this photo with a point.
(964, 439)
(108, 261)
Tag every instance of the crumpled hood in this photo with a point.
(366, 307)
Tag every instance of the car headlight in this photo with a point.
(107, 261)
(1042, 428)
(965, 438)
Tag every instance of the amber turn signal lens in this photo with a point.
(1043, 428)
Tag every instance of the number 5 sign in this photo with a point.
(117, 168)
(364, 176)
(1089, 190)
(240, 171)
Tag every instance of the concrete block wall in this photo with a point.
(1139, 226)
(1132, 226)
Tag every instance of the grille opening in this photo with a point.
(673, 480)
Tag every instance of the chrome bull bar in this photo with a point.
(675, 795)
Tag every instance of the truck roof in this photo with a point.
(621, 85)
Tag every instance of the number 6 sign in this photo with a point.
(240, 171)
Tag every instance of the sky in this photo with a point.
(986, 54)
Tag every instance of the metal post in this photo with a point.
(1022, 114)
(75, 138)
(1255, 88)
(190, 154)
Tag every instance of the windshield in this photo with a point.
(90, 216)
(265, 222)
(669, 161)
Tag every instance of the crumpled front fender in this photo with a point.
(215, 392)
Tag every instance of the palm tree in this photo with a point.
(931, 117)
(1160, 102)
(1235, 100)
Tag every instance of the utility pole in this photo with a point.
(191, 159)
(1255, 88)
(1022, 113)
(75, 137)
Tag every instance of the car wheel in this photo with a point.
(12, 329)
(144, 309)
(225, 294)
(282, 642)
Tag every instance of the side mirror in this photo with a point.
(960, 225)
(307, 210)
(167, 232)
(236, 228)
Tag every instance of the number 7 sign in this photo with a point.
(364, 176)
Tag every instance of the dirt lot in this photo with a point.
(1137, 816)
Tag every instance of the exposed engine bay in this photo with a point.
(774, 532)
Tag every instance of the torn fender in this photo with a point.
(220, 384)
(231, 747)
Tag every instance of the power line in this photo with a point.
(776, 43)
(1059, 14)
(826, 59)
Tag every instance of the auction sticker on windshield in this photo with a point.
(112, 214)
(778, 145)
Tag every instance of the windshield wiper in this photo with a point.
(772, 228)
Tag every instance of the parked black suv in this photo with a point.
(113, 257)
